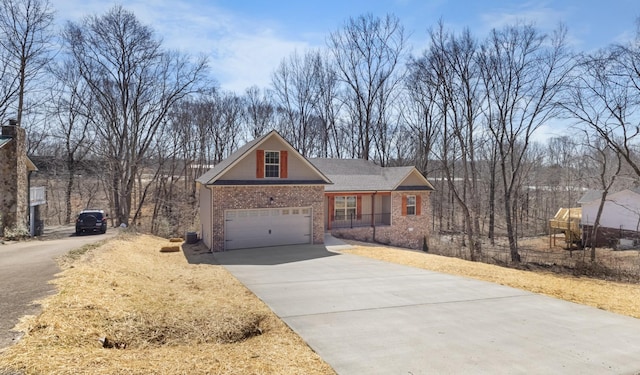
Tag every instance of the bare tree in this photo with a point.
(449, 72)
(367, 53)
(25, 29)
(605, 98)
(259, 111)
(524, 73)
(328, 108)
(609, 163)
(71, 104)
(135, 83)
(296, 86)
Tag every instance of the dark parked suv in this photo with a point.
(91, 221)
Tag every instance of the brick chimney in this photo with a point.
(14, 187)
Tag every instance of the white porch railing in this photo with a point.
(37, 196)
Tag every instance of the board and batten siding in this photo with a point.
(296, 168)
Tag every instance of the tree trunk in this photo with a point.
(513, 245)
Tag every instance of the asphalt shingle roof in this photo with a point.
(590, 196)
(360, 175)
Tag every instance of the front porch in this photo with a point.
(357, 210)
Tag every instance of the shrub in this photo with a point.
(17, 233)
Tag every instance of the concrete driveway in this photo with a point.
(364, 316)
(25, 271)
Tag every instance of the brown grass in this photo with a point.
(170, 317)
(620, 298)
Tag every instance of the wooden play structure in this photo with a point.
(566, 221)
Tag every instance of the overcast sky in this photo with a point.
(247, 39)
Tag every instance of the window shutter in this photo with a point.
(359, 206)
(404, 205)
(260, 164)
(283, 164)
(418, 205)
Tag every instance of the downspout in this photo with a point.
(210, 217)
(29, 214)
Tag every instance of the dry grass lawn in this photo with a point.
(160, 315)
(620, 298)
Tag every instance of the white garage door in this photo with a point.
(267, 227)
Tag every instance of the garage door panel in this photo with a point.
(267, 227)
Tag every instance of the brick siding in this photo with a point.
(405, 231)
(255, 197)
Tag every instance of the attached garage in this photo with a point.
(267, 227)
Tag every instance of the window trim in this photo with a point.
(345, 209)
(413, 205)
(266, 170)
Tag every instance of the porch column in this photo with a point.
(331, 211)
(373, 209)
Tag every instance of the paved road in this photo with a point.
(365, 316)
(25, 271)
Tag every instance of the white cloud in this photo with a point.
(542, 16)
(249, 59)
(243, 52)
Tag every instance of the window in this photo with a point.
(345, 207)
(411, 204)
(272, 163)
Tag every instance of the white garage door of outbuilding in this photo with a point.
(267, 227)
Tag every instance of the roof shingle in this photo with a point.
(361, 175)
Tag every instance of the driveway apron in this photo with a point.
(364, 316)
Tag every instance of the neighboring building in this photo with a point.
(18, 201)
(620, 218)
(268, 194)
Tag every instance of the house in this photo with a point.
(268, 194)
(620, 218)
(19, 202)
(264, 194)
(368, 202)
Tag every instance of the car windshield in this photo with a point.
(85, 215)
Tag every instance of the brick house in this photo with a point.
(268, 194)
(371, 203)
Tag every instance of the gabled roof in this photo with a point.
(219, 169)
(364, 175)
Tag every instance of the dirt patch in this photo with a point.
(127, 308)
(621, 298)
